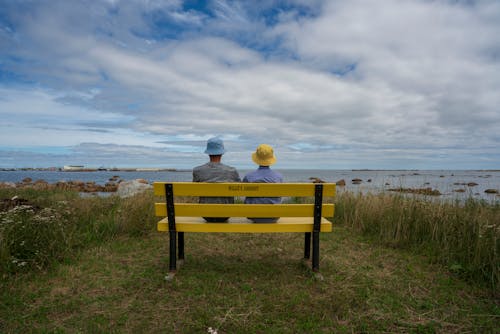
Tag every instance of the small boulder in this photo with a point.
(41, 185)
(356, 181)
(491, 191)
(7, 185)
(110, 186)
(316, 180)
(130, 188)
(63, 185)
(341, 183)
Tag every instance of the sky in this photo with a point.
(393, 84)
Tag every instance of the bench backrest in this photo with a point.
(170, 208)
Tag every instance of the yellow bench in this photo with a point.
(187, 217)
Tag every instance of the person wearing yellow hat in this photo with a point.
(264, 157)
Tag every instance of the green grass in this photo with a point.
(110, 276)
(245, 284)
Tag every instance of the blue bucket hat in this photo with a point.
(215, 146)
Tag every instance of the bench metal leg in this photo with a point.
(307, 245)
(315, 255)
(180, 236)
(173, 255)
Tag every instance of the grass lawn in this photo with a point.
(245, 283)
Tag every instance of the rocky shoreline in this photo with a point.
(114, 185)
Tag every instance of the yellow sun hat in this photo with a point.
(264, 155)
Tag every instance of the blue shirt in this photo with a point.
(263, 174)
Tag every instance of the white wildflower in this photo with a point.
(7, 220)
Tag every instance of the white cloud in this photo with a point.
(366, 83)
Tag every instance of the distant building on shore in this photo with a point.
(73, 168)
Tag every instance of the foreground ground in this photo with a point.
(245, 284)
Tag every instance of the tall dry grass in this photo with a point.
(462, 236)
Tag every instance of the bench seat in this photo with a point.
(244, 225)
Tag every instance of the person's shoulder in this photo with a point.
(199, 168)
(278, 175)
(252, 176)
(231, 168)
(252, 172)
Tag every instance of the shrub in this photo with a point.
(55, 226)
(32, 238)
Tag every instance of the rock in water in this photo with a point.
(356, 181)
(316, 180)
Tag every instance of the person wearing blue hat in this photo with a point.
(215, 171)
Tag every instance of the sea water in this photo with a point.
(452, 184)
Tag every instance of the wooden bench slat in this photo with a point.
(244, 189)
(244, 210)
(244, 225)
